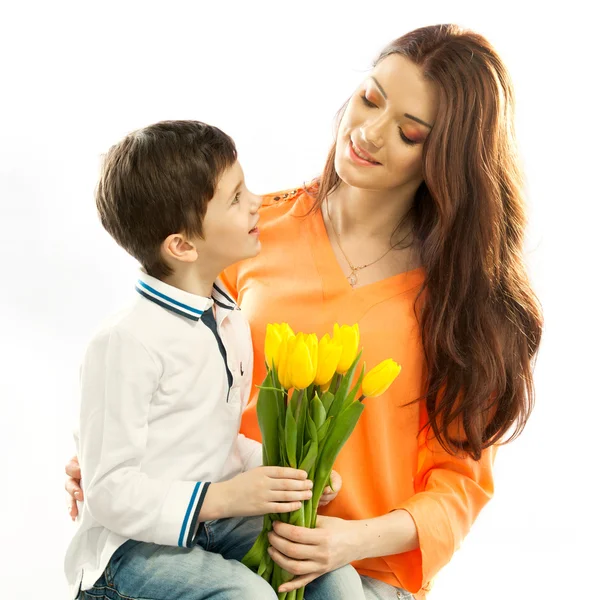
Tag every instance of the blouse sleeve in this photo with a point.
(450, 492)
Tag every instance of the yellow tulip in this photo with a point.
(285, 349)
(301, 368)
(347, 337)
(379, 378)
(312, 341)
(285, 330)
(272, 345)
(328, 358)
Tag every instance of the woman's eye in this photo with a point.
(368, 102)
(405, 139)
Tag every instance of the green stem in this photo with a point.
(337, 380)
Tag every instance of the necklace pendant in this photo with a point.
(352, 279)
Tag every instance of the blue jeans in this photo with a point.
(377, 590)
(211, 569)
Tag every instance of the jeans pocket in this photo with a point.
(97, 592)
(115, 559)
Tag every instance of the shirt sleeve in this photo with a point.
(450, 493)
(118, 380)
(250, 451)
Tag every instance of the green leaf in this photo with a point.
(339, 433)
(312, 430)
(282, 448)
(317, 411)
(259, 549)
(311, 456)
(262, 567)
(291, 437)
(352, 395)
(322, 432)
(342, 391)
(301, 411)
(267, 414)
(305, 450)
(293, 402)
(327, 399)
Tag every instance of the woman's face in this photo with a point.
(380, 139)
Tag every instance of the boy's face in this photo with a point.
(230, 224)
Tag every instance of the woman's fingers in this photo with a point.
(336, 482)
(72, 506)
(293, 566)
(73, 489)
(290, 549)
(72, 469)
(327, 497)
(298, 582)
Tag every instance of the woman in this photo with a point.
(415, 232)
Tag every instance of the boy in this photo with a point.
(164, 384)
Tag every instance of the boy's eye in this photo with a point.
(236, 198)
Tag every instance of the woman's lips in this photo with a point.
(359, 156)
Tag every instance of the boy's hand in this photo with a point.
(263, 490)
(328, 493)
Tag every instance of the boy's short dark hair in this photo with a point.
(158, 181)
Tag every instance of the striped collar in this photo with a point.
(180, 302)
(183, 303)
(221, 297)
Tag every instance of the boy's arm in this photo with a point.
(118, 380)
(250, 451)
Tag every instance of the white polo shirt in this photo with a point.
(161, 404)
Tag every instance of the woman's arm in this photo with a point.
(309, 553)
(417, 538)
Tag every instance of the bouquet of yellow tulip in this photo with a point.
(306, 411)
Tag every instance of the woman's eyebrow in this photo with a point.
(405, 114)
(379, 86)
(418, 120)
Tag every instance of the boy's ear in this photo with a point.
(177, 246)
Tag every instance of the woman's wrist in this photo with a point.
(389, 534)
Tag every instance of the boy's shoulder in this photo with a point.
(131, 325)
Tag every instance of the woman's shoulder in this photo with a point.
(289, 196)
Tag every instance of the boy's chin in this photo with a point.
(253, 251)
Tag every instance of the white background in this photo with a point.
(76, 77)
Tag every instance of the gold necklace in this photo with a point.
(353, 277)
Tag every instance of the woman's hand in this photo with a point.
(310, 553)
(328, 493)
(72, 486)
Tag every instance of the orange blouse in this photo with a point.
(385, 465)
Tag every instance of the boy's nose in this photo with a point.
(255, 202)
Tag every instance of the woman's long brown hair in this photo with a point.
(481, 323)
